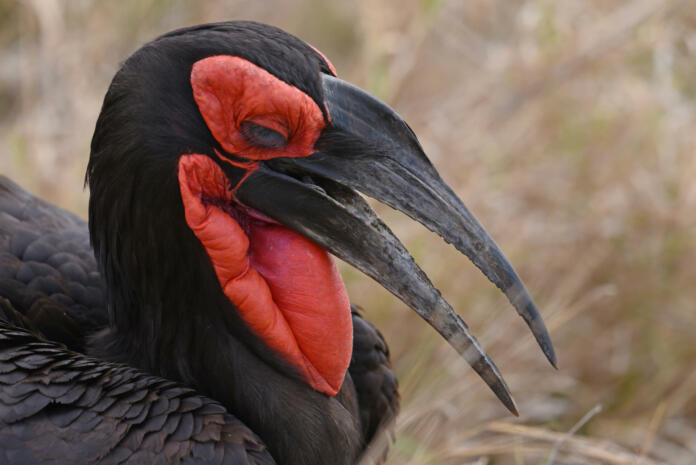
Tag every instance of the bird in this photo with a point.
(199, 316)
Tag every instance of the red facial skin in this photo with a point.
(229, 90)
(286, 288)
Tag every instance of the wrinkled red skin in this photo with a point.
(229, 90)
(286, 288)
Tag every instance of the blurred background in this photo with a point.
(568, 127)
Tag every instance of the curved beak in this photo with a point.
(367, 147)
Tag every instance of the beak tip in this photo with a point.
(531, 315)
(492, 377)
(512, 406)
(503, 394)
(547, 347)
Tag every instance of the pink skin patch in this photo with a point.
(287, 289)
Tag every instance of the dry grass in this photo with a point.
(568, 128)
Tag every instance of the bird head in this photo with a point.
(252, 154)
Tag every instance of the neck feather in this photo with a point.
(170, 317)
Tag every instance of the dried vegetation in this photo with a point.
(568, 127)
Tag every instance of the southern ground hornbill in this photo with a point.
(224, 170)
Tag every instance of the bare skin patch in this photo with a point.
(286, 288)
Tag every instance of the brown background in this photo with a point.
(567, 126)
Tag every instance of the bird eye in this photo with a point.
(262, 136)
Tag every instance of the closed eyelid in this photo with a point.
(262, 136)
(231, 91)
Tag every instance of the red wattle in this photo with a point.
(286, 288)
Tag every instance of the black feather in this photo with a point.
(151, 299)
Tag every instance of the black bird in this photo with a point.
(224, 170)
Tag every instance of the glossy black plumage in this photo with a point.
(375, 384)
(47, 269)
(51, 286)
(58, 406)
